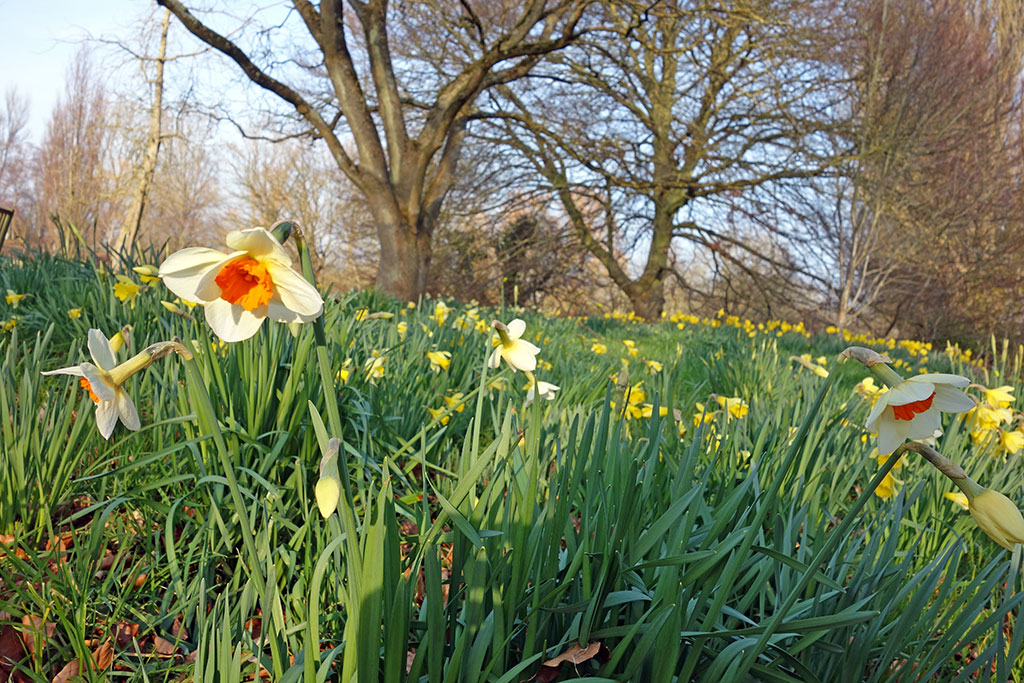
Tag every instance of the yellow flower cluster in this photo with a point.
(993, 420)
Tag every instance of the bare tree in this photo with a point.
(405, 116)
(670, 119)
(15, 157)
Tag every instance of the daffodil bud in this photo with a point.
(328, 488)
(281, 230)
(998, 517)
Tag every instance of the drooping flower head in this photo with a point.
(518, 353)
(241, 289)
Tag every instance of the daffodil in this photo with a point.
(402, 328)
(654, 367)
(1011, 441)
(439, 360)
(958, 498)
(441, 312)
(911, 408)
(630, 346)
(374, 366)
(74, 313)
(598, 348)
(1000, 397)
(886, 487)
(127, 290)
(439, 414)
(733, 407)
(13, 298)
(518, 353)
(455, 401)
(104, 380)
(545, 390)
(240, 289)
(998, 517)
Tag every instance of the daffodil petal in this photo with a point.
(891, 434)
(97, 380)
(106, 418)
(231, 322)
(495, 358)
(908, 392)
(183, 270)
(516, 329)
(206, 287)
(941, 378)
(99, 349)
(258, 243)
(75, 370)
(950, 400)
(126, 410)
(521, 355)
(300, 299)
(924, 425)
(876, 412)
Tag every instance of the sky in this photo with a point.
(40, 38)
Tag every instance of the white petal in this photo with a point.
(924, 425)
(941, 378)
(75, 370)
(99, 349)
(516, 329)
(231, 322)
(126, 409)
(495, 358)
(101, 386)
(521, 355)
(183, 270)
(294, 292)
(908, 392)
(258, 242)
(106, 417)
(891, 434)
(950, 400)
(876, 412)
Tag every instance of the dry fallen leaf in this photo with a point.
(34, 626)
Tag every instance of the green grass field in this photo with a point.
(617, 531)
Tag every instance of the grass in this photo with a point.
(474, 550)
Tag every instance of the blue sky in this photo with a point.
(39, 38)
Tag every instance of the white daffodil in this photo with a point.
(239, 290)
(102, 380)
(545, 390)
(911, 407)
(518, 353)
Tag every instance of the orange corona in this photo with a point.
(246, 282)
(907, 411)
(84, 383)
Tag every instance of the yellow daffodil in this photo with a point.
(701, 415)
(518, 353)
(127, 290)
(455, 401)
(868, 390)
(998, 517)
(1000, 397)
(241, 289)
(910, 409)
(598, 348)
(630, 346)
(1011, 441)
(403, 328)
(887, 487)
(13, 298)
(374, 366)
(654, 367)
(9, 325)
(439, 360)
(147, 273)
(343, 373)
(733, 407)
(75, 313)
(439, 414)
(441, 311)
(497, 384)
(958, 498)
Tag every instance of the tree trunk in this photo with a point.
(405, 255)
(648, 302)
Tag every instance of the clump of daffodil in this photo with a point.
(510, 347)
(13, 299)
(990, 421)
(241, 289)
(911, 407)
(439, 360)
(635, 397)
(127, 290)
(104, 379)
